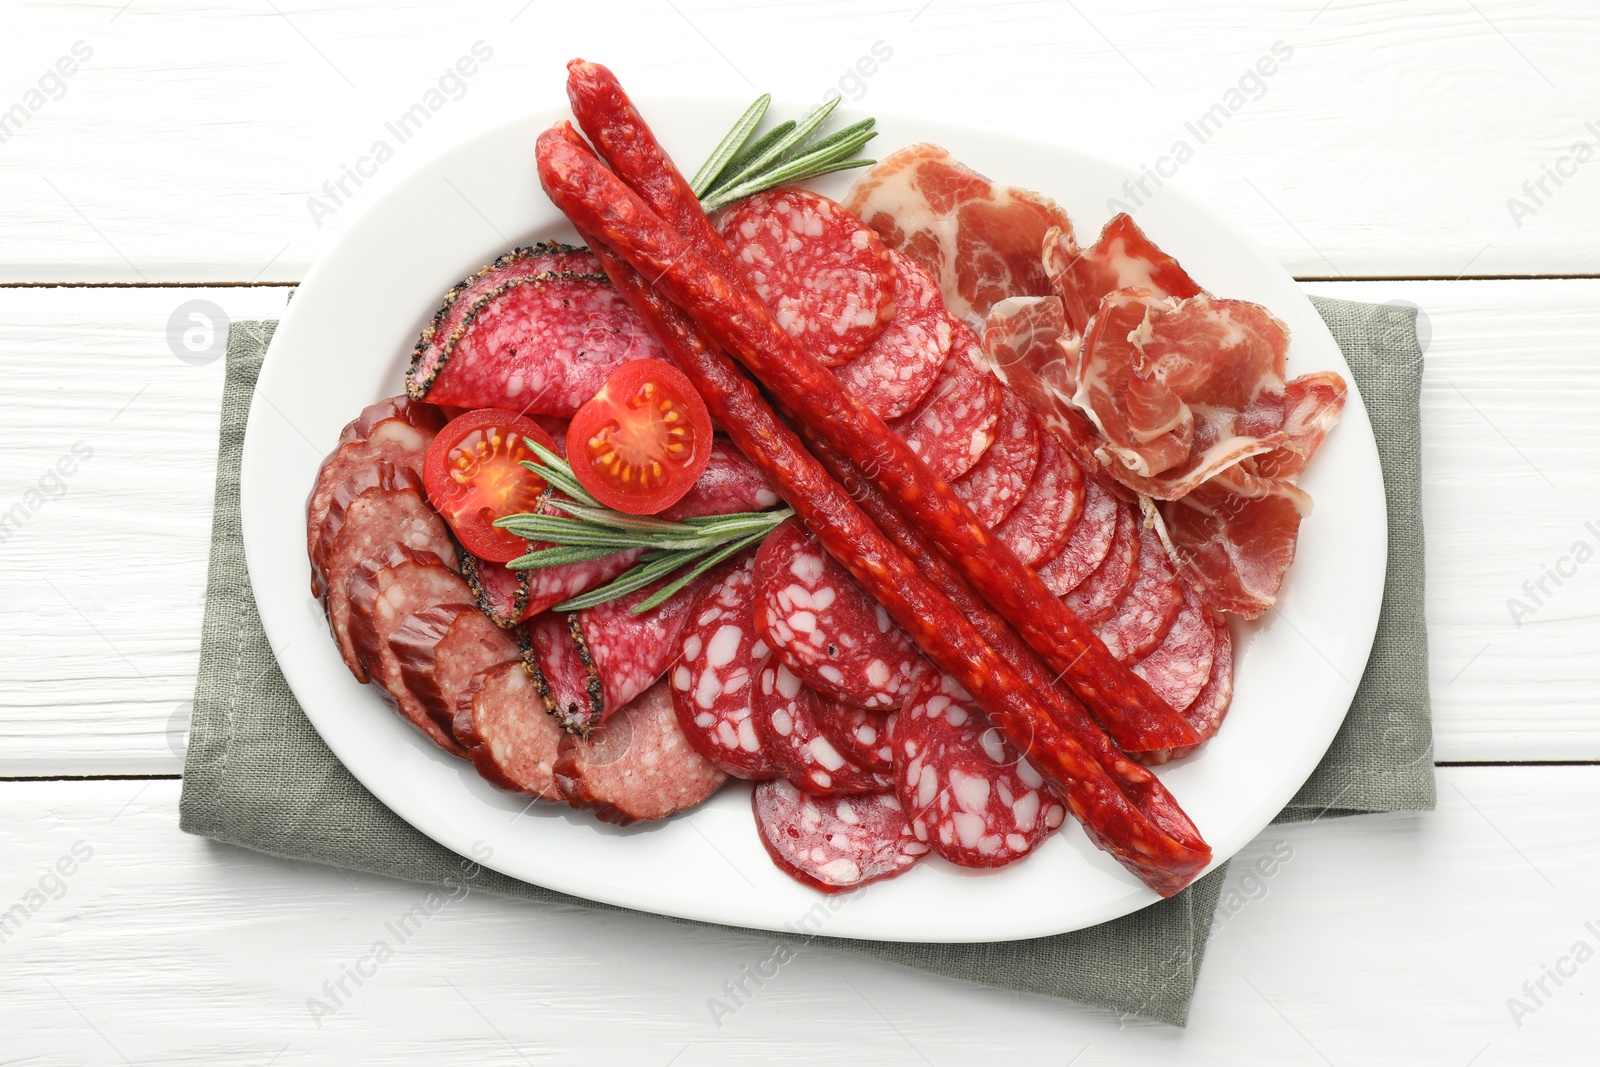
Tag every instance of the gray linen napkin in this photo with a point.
(258, 775)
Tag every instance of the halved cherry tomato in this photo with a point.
(643, 440)
(474, 475)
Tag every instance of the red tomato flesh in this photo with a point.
(474, 475)
(643, 441)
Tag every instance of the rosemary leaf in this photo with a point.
(706, 176)
(632, 580)
(744, 158)
(833, 139)
(673, 588)
(557, 557)
(607, 517)
(783, 144)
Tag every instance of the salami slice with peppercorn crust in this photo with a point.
(558, 661)
(630, 651)
(510, 597)
(827, 278)
(898, 369)
(834, 843)
(788, 717)
(530, 340)
(720, 657)
(635, 766)
(824, 627)
(511, 739)
(967, 792)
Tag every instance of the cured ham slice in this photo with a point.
(1122, 258)
(981, 241)
(1234, 549)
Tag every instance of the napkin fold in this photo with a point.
(258, 775)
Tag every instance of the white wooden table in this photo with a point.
(176, 164)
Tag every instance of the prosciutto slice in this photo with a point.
(1123, 258)
(982, 242)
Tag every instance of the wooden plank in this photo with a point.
(104, 661)
(1382, 939)
(189, 144)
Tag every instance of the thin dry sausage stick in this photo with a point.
(1144, 846)
(713, 290)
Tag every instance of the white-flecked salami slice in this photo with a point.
(834, 843)
(510, 597)
(901, 365)
(1040, 524)
(867, 737)
(996, 485)
(1094, 598)
(374, 522)
(637, 765)
(1144, 613)
(1206, 712)
(383, 593)
(826, 276)
(511, 738)
(825, 627)
(630, 652)
(955, 423)
(1180, 665)
(788, 718)
(1088, 542)
(559, 663)
(714, 680)
(440, 651)
(965, 790)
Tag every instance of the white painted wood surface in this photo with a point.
(184, 149)
(1387, 143)
(1391, 939)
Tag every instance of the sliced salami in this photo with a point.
(997, 483)
(901, 365)
(1180, 665)
(510, 597)
(1094, 597)
(824, 627)
(827, 277)
(966, 791)
(866, 737)
(1088, 543)
(562, 669)
(395, 431)
(636, 765)
(540, 343)
(729, 483)
(1042, 521)
(384, 592)
(630, 652)
(955, 423)
(788, 717)
(1144, 613)
(713, 683)
(358, 478)
(373, 523)
(512, 740)
(1206, 711)
(440, 651)
(834, 843)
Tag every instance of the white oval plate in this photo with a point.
(344, 342)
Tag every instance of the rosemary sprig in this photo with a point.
(589, 530)
(782, 155)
